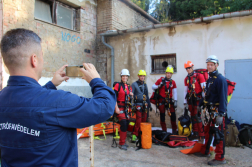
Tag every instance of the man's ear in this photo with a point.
(34, 60)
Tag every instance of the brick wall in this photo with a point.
(125, 17)
(60, 45)
(113, 15)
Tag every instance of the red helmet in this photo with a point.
(188, 64)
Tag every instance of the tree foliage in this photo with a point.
(175, 10)
(144, 4)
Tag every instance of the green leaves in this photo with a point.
(176, 10)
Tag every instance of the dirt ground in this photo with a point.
(157, 156)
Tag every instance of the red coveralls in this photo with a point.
(220, 147)
(162, 106)
(197, 78)
(121, 104)
(140, 117)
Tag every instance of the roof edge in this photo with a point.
(141, 11)
(175, 23)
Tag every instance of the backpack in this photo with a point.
(231, 84)
(120, 85)
(202, 71)
(160, 137)
(230, 120)
(231, 136)
(231, 88)
(245, 135)
(184, 124)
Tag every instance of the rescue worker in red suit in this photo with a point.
(167, 85)
(215, 103)
(142, 102)
(122, 90)
(194, 86)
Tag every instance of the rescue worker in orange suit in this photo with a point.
(142, 102)
(194, 85)
(215, 103)
(167, 89)
(123, 90)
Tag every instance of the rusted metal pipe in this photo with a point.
(112, 60)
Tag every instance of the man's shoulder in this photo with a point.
(221, 77)
(134, 83)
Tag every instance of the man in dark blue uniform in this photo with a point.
(215, 104)
(38, 124)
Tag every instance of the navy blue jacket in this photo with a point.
(38, 124)
(218, 91)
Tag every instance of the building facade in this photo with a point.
(227, 36)
(68, 29)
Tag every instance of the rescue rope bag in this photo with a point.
(146, 137)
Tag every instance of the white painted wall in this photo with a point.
(70, 82)
(226, 38)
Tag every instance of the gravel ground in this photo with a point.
(157, 156)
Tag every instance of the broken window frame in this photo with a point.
(75, 14)
(157, 60)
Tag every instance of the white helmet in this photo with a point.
(213, 59)
(125, 72)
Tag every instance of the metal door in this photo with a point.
(240, 105)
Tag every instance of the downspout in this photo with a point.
(112, 60)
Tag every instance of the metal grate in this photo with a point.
(160, 62)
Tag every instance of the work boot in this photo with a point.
(215, 162)
(126, 145)
(201, 139)
(123, 147)
(199, 154)
(133, 139)
(194, 136)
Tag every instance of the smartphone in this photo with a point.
(74, 71)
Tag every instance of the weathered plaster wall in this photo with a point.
(113, 15)
(60, 45)
(227, 39)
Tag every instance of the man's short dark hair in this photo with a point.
(18, 44)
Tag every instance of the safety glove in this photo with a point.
(160, 85)
(175, 104)
(219, 120)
